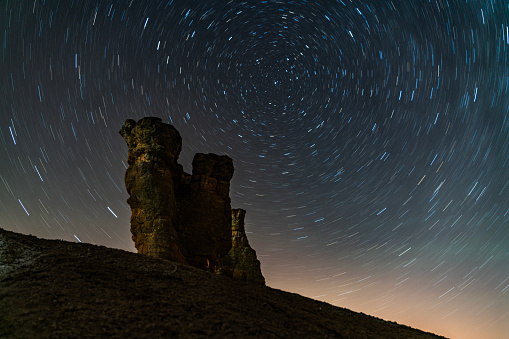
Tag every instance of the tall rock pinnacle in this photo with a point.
(205, 223)
(153, 151)
(182, 217)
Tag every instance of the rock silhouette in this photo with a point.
(186, 218)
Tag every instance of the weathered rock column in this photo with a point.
(241, 262)
(206, 212)
(153, 151)
(182, 217)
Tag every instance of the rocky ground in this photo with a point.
(58, 289)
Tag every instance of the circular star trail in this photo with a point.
(370, 139)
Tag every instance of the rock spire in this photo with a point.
(184, 217)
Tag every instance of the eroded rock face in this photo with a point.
(182, 217)
(205, 223)
(153, 151)
(241, 262)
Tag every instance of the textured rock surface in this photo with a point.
(182, 217)
(205, 212)
(241, 261)
(153, 151)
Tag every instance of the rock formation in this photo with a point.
(241, 261)
(153, 151)
(182, 217)
(205, 211)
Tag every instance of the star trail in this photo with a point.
(370, 138)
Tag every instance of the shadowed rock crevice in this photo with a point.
(184, 217)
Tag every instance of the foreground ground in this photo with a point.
(57, 289)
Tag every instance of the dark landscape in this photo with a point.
(59, 289)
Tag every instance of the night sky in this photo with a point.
(370, 138)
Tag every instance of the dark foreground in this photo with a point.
(58, 289)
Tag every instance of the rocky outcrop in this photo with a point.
(184, 217)
(241, 262)
(153, 151)
(205, 212)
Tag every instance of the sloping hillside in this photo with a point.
(58, 289)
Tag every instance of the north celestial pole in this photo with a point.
(370, 139)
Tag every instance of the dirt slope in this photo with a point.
(58, 289)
